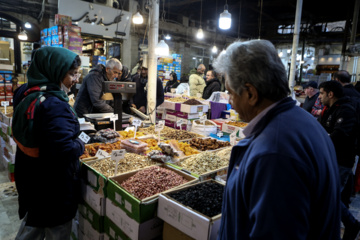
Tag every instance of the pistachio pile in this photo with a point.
(130, 162)
(180, 135)
(203, 162)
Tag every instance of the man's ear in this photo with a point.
(330, 94)
(252, 94)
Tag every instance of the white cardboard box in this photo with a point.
(193, 108)
(147, 230)
(170, 117)
(94, 199)
(187, 220)
(87, 232)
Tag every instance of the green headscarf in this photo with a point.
(47, 70)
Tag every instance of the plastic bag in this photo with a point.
(205, 130)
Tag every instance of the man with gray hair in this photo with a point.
(88, 99)
(279, 185)
(196, 81)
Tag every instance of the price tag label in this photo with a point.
(199, 95)
(114, 117)
(233, 138)
(117, 155)
(160, 125)
(180, 122)
(84, 137)
(81, 120)
(136, 122)
(101, 154)
(203, 118)
(5, 103)
(220, 134)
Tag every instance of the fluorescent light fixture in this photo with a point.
(137, 18)
(23, 36)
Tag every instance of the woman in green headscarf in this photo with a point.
(46, 130)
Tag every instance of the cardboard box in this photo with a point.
(204, 176)
(94, 179)
(193, 108)
(93, 199)
(185, 219)
(63, 20)
(231, 128)
(169, 123)
(171, 233)
(96, 221)
(139, 210)
(119, 224)
(6, 67)
(87, 232)
(72, 31)
(187, 115)
(170, 117)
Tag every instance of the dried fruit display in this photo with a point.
(151, 130)
(207, 144)
(224, 154)
(130, 134)
(152, 145)
(193, 102)
(206, 122)
(130, 162)
(203, 162)
(151, 181)
(180, 135)
(186, 148)
(205, 198)
(107, 136)
(237, 124)
(91, 149)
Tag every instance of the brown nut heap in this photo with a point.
(207, 144)
(180, 135)
(130, 162)
(203, 163)
(193, 102)
(151, 181)
(151, 130)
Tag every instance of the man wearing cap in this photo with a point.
(312, 94)
(88, 100)
(140, 97)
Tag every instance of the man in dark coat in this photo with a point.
(88, 99)
(46, 130)
(140, 98)
(312, 93)
(212, 84)
(344, 78)
(340, 121)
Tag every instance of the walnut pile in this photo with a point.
(207, 144)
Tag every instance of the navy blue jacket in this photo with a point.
(49, 186)
(283, 180)
(140, 97)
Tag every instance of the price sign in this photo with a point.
(160, 125)
(5, 103)
(136, 122)
(81, 120)
(117, 155)
(220, 134)
(84, 137)
(233, 138)
(113, 118)
(180, 122)
(101, 154)
(203, 119)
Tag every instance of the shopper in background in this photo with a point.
(88, 99)
(172, 83)
(36, 46)
(125, 77)
(139, 100)
(317, 108)
(340, 121)
(196, 80)
(283, 183)
(344, 78)
(46, 131)
(212, 84)
(183, 87)
(312, 93)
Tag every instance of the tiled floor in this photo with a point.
(10, 222)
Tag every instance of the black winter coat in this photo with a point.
(212, 85)
(140, 97)
(340, 121)
(49, 185)
(88, 99)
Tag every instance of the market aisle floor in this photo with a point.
(10, 222)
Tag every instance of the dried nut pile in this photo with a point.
(205, 198)
(130, 162)
(177, 99)
(151, 181)
(180, 135)
(91, 149)
(151, 130)
(206, 122)
(203, 162)
(224, 154)
(207, 144)
(237, 124)
(193, 102)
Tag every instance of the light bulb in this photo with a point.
(162, 49)
(23, 36)
(313, 58)
(167, 37)
(137, 18)
(288, 51)
(200, 33)
(280, 54)
(225, 20)
(214, 49)
(27, 25)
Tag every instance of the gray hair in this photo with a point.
(255, 62)
(113, 62)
